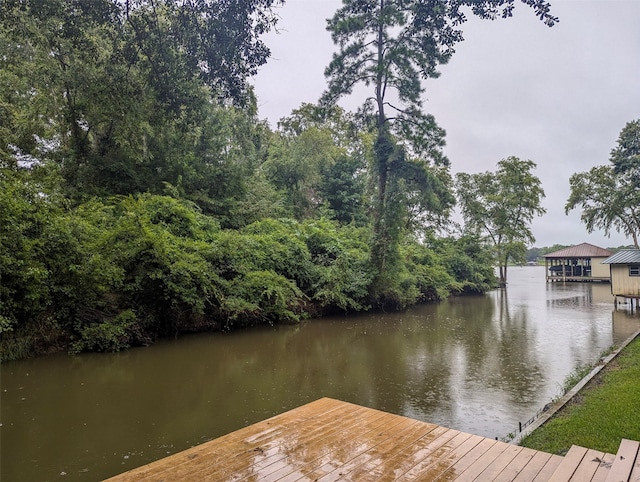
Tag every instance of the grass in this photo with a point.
(15, 348)
(605, 411)
(574, 378)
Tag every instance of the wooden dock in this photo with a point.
(330, 440)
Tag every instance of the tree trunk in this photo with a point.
(502, 271)
(383, 150)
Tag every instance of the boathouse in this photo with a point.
(625, 273)
(582, 262)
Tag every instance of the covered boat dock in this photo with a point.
(582, 262)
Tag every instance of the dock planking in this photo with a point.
(330, 440)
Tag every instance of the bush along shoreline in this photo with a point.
(108, 275)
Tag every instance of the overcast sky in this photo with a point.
(558, 96)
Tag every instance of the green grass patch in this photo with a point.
(603, 413)
(574, 378)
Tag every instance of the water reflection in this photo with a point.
(477, 364)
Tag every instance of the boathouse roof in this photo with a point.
(584, 250)
(624, 256)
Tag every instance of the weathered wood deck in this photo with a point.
(330, 440)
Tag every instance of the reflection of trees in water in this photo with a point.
(484, 344)
(450, 349)
(517, 367)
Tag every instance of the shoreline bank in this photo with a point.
(582, 389)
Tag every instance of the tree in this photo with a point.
(296, 166)
(390, 46)
(317, 160)
(343, 189)
(625, 157)
(501, 206)
(609, 196)
(124, 95)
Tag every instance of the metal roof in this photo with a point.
(624, 256)
(584, 250)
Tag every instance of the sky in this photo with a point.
(558, 96)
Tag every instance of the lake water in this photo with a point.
(479, 364)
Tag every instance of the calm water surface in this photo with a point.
(477, 364)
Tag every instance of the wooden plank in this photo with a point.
(547, 471)
(330, 440)
(533, 467)
(635, 472)
(440, 460)
(293, 446)
(404, 456)
(519, 462)
(589, 465)
(500, 463)
(604, 468)
(368, 465)
(334, 454)
(459, 467)
(481, 464)
(298, 449)
(230, 460)
(624, 461)
(425, 455)
(569, 465)
(335, 465)
(435, 442)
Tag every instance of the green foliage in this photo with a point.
(261, 200)
(392, 47)
(296, 166)
(262, 296)
(329, 265)
(111, 274)
(608, 195)
(24, 289)
(344, 190)
(342, 264)
(625, 157)
(545, 250)
(109, 335)
(446, 266)
(608, 201)
(411, 196)
(165, 276)
(316, 160)
(128, 96)
(534, 254)
(140, 196)
(469, 261)
(276, 245)
(431, 278)
(500, 206)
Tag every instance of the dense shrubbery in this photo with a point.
(110, 274)
(141, 196)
